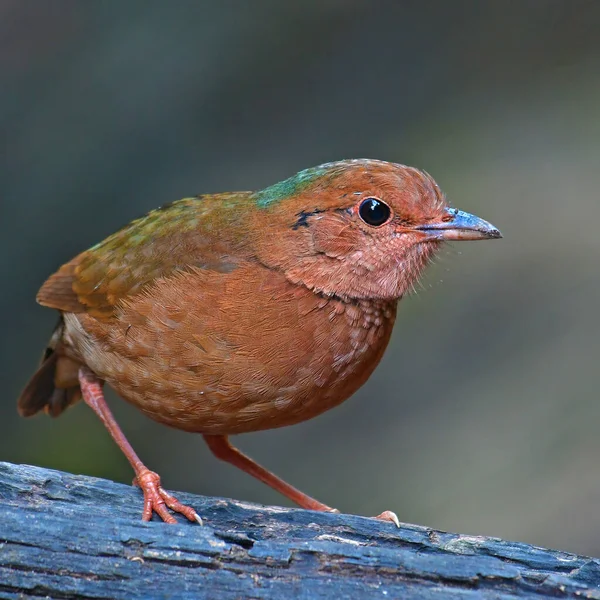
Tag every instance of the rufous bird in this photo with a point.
(228, 313)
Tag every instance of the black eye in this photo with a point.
(374, 212)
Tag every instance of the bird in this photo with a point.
(229, 313)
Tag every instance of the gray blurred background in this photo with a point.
(483, 417)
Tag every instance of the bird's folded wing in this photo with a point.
(201, 232)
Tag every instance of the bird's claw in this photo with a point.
(387, 515)
(157, 499)
(390, 517)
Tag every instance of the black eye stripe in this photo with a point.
(374, 212)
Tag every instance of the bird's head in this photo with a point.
(361, 229)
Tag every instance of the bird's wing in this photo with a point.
(204, 232)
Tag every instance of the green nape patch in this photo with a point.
(284, 189)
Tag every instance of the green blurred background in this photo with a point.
(483, 416)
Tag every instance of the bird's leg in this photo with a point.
(222, 448)
(155, 497)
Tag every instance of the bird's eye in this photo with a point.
(374, 212)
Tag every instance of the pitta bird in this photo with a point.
(229, 313)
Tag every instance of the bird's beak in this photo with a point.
(459, 225)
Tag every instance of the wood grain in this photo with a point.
(71, 536)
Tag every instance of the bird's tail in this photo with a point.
(54, 386)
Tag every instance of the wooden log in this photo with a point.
(70, 536)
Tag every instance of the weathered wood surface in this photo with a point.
(68, 536)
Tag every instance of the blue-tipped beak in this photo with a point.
(459, 225)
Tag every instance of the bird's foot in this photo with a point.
(156, 499)
(389, 516)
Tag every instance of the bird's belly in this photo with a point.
(266, 400)
(237, 375)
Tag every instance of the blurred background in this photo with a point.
(483, 417)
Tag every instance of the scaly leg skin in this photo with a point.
(222, 449)
(156, 499)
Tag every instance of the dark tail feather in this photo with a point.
(40, 389)
(41, 393)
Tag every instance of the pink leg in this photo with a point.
(155, 497)
(222, 448)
